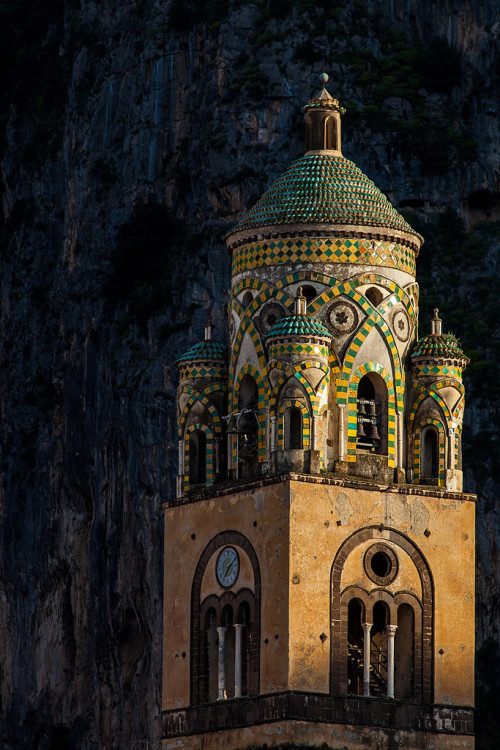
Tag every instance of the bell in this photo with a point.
(372, 409)
(361, 429)
(361, 407)
(372, 432)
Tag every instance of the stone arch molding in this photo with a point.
(232, 538)
(424, 647)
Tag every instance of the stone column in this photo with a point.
(273, 433)
(400, 440)
(391, 632)
(313, 432)
(451, 451)
(341, 408)
(222, 664)
(237, 660)
(268, 436)
(367, 626)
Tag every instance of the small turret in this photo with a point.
(322, 119)
(201, 402)
(435, 422)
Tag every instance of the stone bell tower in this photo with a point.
(319, 555)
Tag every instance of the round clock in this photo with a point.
(228, 567)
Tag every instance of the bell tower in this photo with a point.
(319, 555)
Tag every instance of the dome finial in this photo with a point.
(324, 78)
(436, 323)
(300, 303)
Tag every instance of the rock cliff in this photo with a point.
(133, 135)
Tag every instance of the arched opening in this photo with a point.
(430, 454)
(211, 656)
(293, 428)
(197, 458)
(355, 647)
(372, 414)
(378, 649)
(331, 141)
(228, 655)
(244, 622)
(247, 428)
(374, 295)
(246, 300)
(404, 653)
(309, 292)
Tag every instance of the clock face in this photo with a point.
(228, 567)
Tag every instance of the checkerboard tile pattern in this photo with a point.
(321, 250)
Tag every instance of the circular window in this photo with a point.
(381, 564)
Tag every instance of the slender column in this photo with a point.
(341, 408)
(268, 436)
(400, 440)
(391, 632)
(273, 433)
(367, 626)
(313, 432)
(222, 664)
(451, 451)
(181, 456)
(237, 661)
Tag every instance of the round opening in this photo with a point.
(381, 564)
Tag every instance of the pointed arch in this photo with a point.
(209, 454)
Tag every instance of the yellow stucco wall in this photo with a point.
(296, 529)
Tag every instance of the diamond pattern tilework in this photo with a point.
(361, 252)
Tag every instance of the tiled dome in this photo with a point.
(324, 189)
(207, 349)
(299, 325)
(439, 346)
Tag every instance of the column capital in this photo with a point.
(391, 629)
(367, 625)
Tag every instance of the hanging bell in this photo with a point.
(361, 429)
(372, 409)
(372, 432)
(361, 407)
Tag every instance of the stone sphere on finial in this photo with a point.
(324, 77)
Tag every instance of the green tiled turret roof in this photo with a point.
(299, 325)
(207, 349)
(324, 189)
(439, 346)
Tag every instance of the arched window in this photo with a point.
(355, 647)
(430, 455)
(225, 628)
(197, 458)
(372, 414)
(246, 300)
(293, 428)
(228, 652)
(247, 428)
(211, 656)
(404, 653)
(331, 141)
(244, 645)
(374, 295)
(309, 292)
(378, 649)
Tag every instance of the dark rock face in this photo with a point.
(134, 135)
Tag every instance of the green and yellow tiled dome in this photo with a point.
(299, 325)
(207, 349)
(439, 346)
(324, 189)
